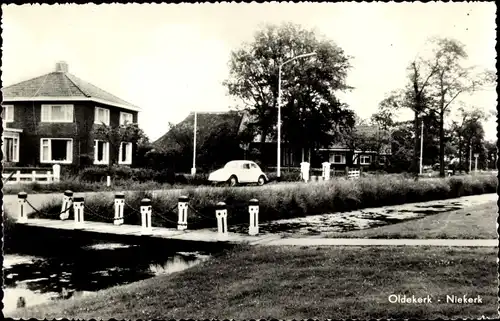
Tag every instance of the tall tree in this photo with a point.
(311, 113)
(414, 96)
(116, 135)
(451, 80)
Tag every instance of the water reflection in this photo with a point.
(71, 274)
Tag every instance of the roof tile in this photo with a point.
(59, 85)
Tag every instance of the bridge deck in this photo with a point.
(202, 235)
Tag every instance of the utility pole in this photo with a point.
(193, 170)
(421, 146)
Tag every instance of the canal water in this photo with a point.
(69, 272)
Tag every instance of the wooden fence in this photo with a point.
(353, 174)
(27, 176)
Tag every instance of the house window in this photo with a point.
(8, 113)
(101, 152)
(365, 159)
(56, 150)
(382, 159)
(125, 154)
(10, 148)
(101, 116)
(57, 113)
(337, 158)
(126, 118)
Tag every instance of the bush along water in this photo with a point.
(283, 201)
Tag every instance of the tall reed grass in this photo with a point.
(279, 201)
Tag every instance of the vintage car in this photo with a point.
(239, 172)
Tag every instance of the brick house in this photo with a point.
(360, 155)
(50, 120)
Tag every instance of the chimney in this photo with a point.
(62, 66)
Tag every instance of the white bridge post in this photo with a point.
(182, 208)
(146, 216)
(78, 208)
(253, 209)
(119, 206)
(66, 205)
(22, 215)
(221, 215)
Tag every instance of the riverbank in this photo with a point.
(295, 282)
(282, 201)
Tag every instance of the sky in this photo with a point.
(171, 59)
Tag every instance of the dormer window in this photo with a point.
(8, 113)
(57, 113)
(101, 116)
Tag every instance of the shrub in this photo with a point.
(279, 201)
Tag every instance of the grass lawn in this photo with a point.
(474, 222)
(299, 282)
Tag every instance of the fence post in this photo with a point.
(253, 209)
(78, 208)
(18, 176)
(108, 181)
(119, 206)
(22, 215)
(66, 205)
(33, 176)
(146, 216)
(182, 208)
(304, 169)
(326, 171)
(56, 172)
(221, 215)
(49, 177)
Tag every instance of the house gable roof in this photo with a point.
(61, 85)
(207, 123)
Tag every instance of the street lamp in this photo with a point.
(193, 170)
(278, 174)
(476, 155)
(421, 144)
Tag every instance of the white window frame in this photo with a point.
(9, 113)
(105, 160)
(124, 116)
(106, 113)
(362, 159)
(342, 158)
(15, 138)
(128, 153)
(46, 117)
(69, 151)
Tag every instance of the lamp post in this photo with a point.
(278, 173)
(421, 145)
(193, 170)
(470, 157)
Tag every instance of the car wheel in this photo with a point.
(233, 181)
(261, 181)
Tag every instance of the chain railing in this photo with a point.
(95, 214)
(46, 213)
(145, 213)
